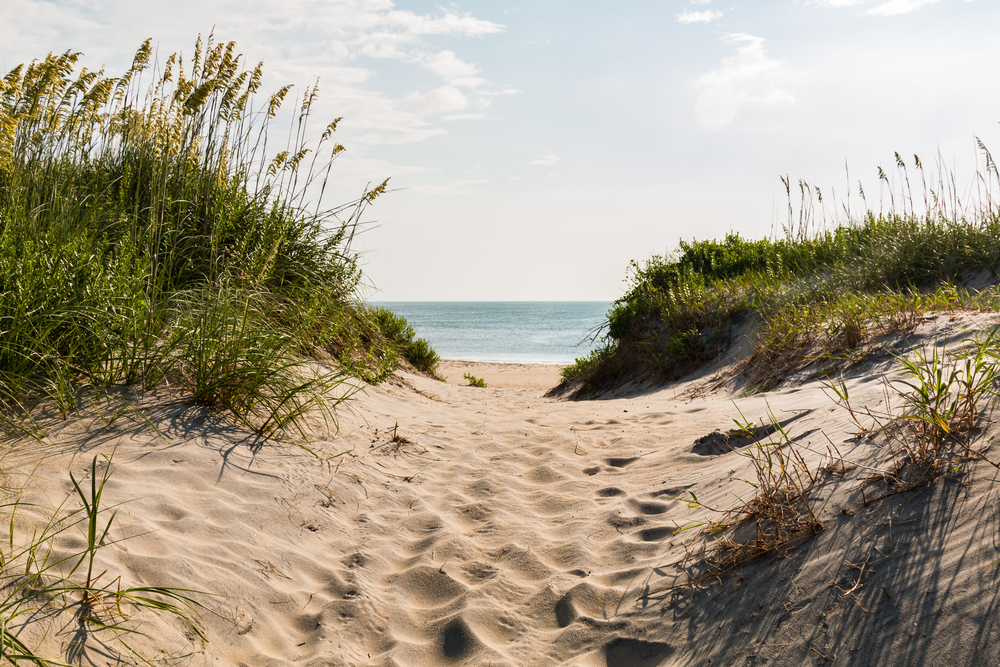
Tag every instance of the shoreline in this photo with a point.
(561, 364)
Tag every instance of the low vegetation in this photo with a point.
(928, 426)
(35, 573)
(154, 233)
(155, 236)
(400, 337)
(820, 291)
(474, 381)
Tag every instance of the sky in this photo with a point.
(535, 148)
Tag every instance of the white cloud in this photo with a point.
(750, 77)
(445, 99)
(893, 7)
(454, 188)
(349, 75)
(706, 16)
(448, 24)
(464, 116)
(840, 3)
(468, 81)
(888, 8)
(545, 160)
(448, 66)
(298, 40)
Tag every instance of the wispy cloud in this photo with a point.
(445, 99)
(749, 77)
(893, 7)
(299, 41)
(888, 8)
(448, 66)
(706, 16)
(454, 188)
(839, 3)
(545, 160)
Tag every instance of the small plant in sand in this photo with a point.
(110, 599)
(33, 576)
(474, 381)
(777, 517)
(943, 397)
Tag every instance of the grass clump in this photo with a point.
(155, 234)
(474, 381)
(151, 229)
(926, 428)
(400, 335)
(820, 291)
(34, 572)
(778, 517)
(940, 396)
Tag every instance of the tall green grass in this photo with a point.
(820, 290)
(153, 228)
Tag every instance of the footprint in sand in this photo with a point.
(654, 534)
(458, 642)
(624, 652)
(621, 522)
(521, 563)
(621, 462)
(648, 506)
(585, 601)
(543, 474)
(426, 587)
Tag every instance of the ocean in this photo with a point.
(541, 332)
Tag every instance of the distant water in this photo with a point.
(548, 332)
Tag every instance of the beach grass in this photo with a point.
(153, 228)
(475, 381)
(35, 573)
(821, 290)
(155, 234)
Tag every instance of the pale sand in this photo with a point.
(502, 376)
(512, 529)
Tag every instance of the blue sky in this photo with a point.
(536, 148)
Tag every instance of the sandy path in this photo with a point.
(504, 528)
(502, 376)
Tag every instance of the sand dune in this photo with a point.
(500, 527)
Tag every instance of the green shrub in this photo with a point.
(398, 335)
(394, 327)
(118, 203)
(422, 356)
(474, 381)
(821, 293)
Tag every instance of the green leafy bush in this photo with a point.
(422, 356)
(399, 335)
(119, 202)
(474, 381)
(819, 293)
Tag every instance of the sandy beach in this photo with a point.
(452, 525)
(501, 375)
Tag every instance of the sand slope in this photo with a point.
(504, 528)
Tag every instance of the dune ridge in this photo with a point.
(454, 525)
